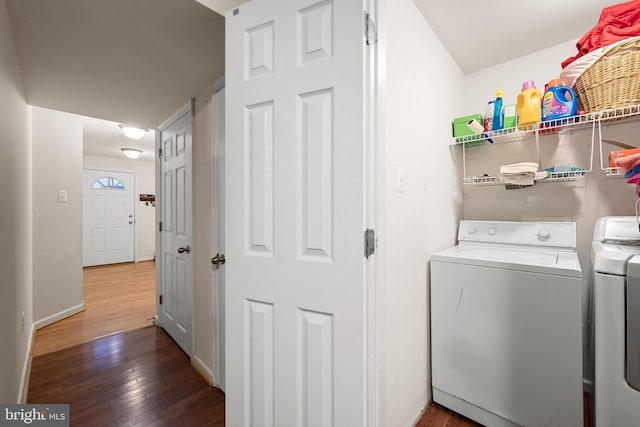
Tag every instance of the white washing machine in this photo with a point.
(506, 324)
(616, 285)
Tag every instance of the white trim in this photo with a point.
(26, 369)
(188, 108)
(58, 316)
(144, 259)
(217, 243)
(372, 84)
(201, 367)
(219, 84)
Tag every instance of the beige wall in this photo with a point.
(15, 220)
(57, 236)
(145, 175)
(203, 232)
(422, 86)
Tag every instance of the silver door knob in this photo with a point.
(130, 222)
(186, 249)
(218, 259)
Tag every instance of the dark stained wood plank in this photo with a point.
(137, 377)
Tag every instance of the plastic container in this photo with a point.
(509, 116)
(498, 114)
(459, 125)
(558, 102)
(528, 106)
(488, 116)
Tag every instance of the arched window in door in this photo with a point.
(108, 183)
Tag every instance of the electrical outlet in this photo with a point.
(62, 196)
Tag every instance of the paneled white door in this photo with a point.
(177, 230)
(108, 227)
(295, 214)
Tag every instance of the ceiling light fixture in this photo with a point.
(132, 153)
(133, 132)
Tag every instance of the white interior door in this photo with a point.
(177, 230)
(295, 214)
(108, 227)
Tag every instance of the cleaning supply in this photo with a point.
(559, 101)
(509, 116)
(460, 128)
(488, 116)
(498, 114)
(528, 106)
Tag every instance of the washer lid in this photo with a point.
(611, 258)
(546, 261)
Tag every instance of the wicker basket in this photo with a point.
(613, 81)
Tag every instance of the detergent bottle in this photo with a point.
(498, 113)
(528, 106)
(559, 101)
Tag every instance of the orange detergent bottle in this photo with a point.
(529, 108)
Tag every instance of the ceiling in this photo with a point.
(479, 34)
(138, 62)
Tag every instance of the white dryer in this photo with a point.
(616, 286)
(506, 324)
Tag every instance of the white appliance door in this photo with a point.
(509, 342)
(295, 283)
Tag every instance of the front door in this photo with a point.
(295, 214)
(108, 224)
(176, 264)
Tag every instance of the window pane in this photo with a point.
(107, 183)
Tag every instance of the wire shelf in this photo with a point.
(567, 124)
(490, 180)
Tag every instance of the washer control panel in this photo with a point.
(556, 234)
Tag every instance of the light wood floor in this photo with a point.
(117, 297)
(137, 376)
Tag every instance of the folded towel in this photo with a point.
(522, 173)
(628, 162)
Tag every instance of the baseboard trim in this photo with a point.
(144, 259)
(26, 369)
(205, 372)
(58, 316)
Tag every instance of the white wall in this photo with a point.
(422, 92)
(583, 201)
(203, 192)
(57, 234)
(145, 175)
(15, 219)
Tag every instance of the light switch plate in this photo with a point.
(62, 196)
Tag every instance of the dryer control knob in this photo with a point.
(472, 230)
(544, 234)
(492, 231)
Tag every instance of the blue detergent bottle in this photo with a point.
(498, 113)
(558, 102)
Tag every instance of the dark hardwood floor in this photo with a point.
(134, 378)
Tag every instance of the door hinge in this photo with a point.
(160, 298)
(370, 30)
(159, 153)
(160, 226)
(369, 242)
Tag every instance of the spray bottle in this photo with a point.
(498, 114)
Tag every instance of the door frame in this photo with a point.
(135, 205)
(188, 108)
(217, 221)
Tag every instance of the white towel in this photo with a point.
(522, 173)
